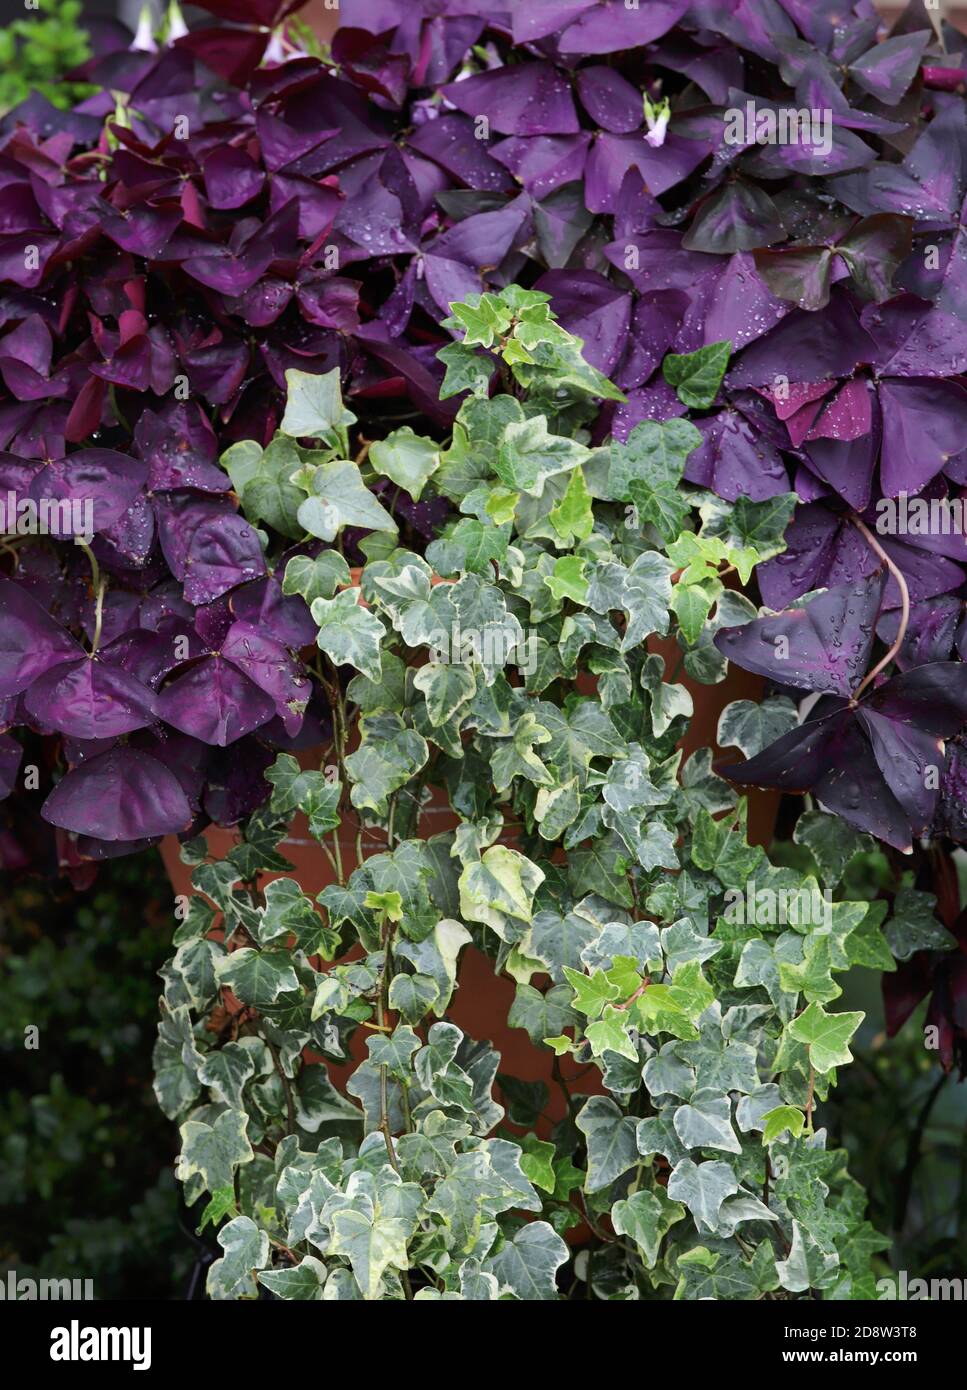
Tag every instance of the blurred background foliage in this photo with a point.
(38, 49)
(86, 1186)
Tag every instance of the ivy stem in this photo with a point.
(897, 574)
(809, 1098)
(287, 1089)
(382, 1001)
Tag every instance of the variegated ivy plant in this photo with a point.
(510, 666)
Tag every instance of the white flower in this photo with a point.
(656, 119)
(144, 39)
(176, 27)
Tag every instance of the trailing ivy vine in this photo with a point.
(512, 667)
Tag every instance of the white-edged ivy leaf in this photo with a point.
(526, 1266)
(702, 1187)
(349, 634)
(246, 1251)
(214, 1151)
(339, 497)
(751, 726)
(646, 1218)
(610, 1136)
(302, 1282)
(258, 977)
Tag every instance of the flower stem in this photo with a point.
(897, 574)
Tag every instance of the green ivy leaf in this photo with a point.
(315, 578)
(783, 1119)
(826, 1035)
(697, 376)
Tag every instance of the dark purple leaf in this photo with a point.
(94, 483)
(887, 70)
(824, 646)
(87, 698)
(30, 640)
(269, 665)
(11, 756)
(734, 461)
(534, 99)
(740, 217)
(124, 794)
(215, 702)
(610, 100)
(611, 25)
(924, 424)
(594, 310)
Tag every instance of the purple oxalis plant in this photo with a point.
(232, 207)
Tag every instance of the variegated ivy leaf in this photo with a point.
(751, 531)
(371, 1225)
(246, 1252)
(258, 977)
(214, 1151)
(436, 956)
(196, 963)
(668, 701)
(413, 996)
(610, 1136)
(289, 912)
(407, 459)
(226, 1069)
(175, 1058)
(499, 891)
(706, 1123)
(702, 1188)
(526, 1265)
(556, 808)
(349, 634)
(303, 1282)
(447, 687)
(529, 454)
(750, 727)
(644, 596)
(807, 1265)
(646, 1218)
(338, 497)
(387, 758)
